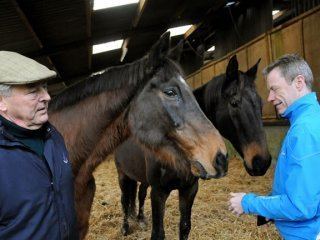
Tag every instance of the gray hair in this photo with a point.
(5, 90)
(290, 66)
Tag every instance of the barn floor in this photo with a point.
(210, 216)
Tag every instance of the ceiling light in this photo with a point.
(211, 49)
(101, 4)
(179, 30)
(230, 3)
(108, 46)
(274, 12)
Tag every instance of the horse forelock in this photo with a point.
(170, 68)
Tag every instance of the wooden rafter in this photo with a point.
(27, 24)
(141, 7)
(89, 7)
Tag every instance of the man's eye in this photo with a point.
(45, 86)
(170, 93)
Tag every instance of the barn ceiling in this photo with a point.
(60, 34)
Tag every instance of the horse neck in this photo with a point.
(82, 125)
(206, 101)
(112, 136)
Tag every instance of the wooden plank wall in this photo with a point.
(300, 35)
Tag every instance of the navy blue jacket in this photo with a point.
(36, 195)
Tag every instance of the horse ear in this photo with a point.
(159, 51)
(175, 53)
(232, 68)
(252, 72)
(231, 73)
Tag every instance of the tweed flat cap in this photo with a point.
(17, 69)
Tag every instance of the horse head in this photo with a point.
(166, 119)
(237, 114)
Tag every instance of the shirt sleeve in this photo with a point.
(301, 196)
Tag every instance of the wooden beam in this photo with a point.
(53, 50)
(27, 24)
(89, 7)
(135, 22)
(141, 7)
(218, 4)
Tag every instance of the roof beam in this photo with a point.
(27, 24)
(195, 27)
(53, 50)
(89, 7)
(141, 7)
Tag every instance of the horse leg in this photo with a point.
(83, 205)
(186, 198)
(125, 184)
(132, 192)
(142, 197)
(158, 201)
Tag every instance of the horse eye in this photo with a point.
(170, 92)
(234, 103)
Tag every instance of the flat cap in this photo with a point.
(17, 69)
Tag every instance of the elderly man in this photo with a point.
(294, 203)
(36, 181)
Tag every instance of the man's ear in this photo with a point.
(3, 106)
(300, 82)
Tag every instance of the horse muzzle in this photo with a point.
(219, 168)
(260, 165)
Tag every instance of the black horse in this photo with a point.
(232, 104)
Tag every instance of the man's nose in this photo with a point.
(270, 96)
(45, 95)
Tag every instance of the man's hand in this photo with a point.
(235, 203)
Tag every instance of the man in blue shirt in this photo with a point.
(294, 203)
(36, 181)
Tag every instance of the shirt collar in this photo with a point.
(298, 106)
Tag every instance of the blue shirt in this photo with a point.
(294, 203)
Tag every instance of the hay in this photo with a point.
(210, 216)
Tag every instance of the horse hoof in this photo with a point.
(125, 230)
(143, 224)
(133, 216)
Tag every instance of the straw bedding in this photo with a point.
(210, 216)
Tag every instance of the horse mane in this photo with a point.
(213, 91)
(111, 78)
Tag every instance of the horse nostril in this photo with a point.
(221, 160)
(221, 164)
(260, 165)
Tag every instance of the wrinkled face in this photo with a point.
(281, 93)
(166, 118)
(26, 106)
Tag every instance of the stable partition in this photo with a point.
(300, 35)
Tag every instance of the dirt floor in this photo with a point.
(210, 216)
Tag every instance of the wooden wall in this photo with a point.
(300, 35)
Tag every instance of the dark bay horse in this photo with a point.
(148, 100)
(231, 102)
